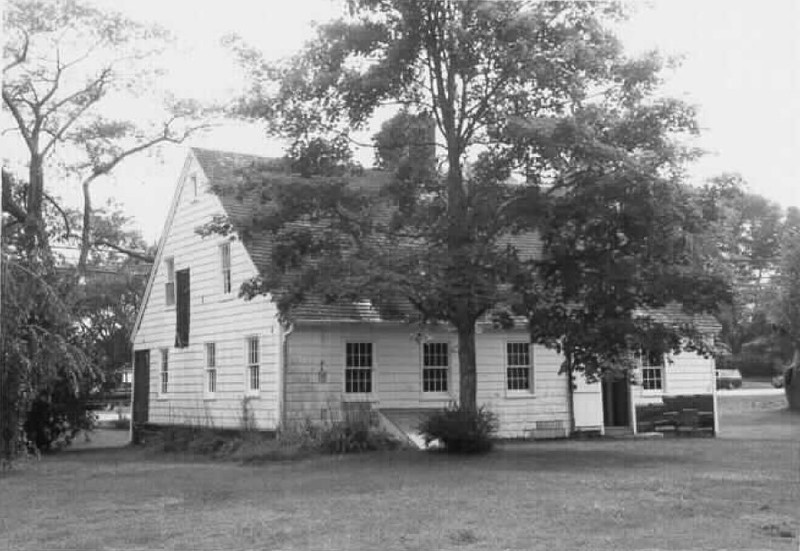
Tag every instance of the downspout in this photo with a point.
(286, 330)
(715, 402)
(570, 397)
(133, 394)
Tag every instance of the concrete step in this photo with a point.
(406, 422)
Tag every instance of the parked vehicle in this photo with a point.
(729, 378)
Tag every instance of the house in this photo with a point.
(204, 356)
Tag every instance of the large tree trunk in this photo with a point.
(9, 408)
(466, 365)
(792, 381)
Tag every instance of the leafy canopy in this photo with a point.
(513, 120)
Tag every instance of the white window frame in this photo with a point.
(226, 272)
(169, 285)
(252, 372)
(435, 393)
(648, 372)
(163, 379)
(210, 382)
(372, 368)
(518, 366)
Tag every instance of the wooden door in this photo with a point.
(182, 312)
(141, 386)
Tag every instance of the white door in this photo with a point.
(587, 404)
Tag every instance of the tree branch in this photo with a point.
(21, 124)
(139, 255)
(68, 230)
(21, 56)
(100, 81)
(105, 168)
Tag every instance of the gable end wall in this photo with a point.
(225, 320)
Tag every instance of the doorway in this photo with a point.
(616, 401)
(141, 386)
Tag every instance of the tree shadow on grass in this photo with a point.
(551, 457)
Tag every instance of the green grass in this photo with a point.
(726, 493)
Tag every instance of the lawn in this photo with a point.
(689, 493)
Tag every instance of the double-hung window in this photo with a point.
(652, 371)
(435, 366)
(164, 370)
(358, 368)
(518, 366)
(253, 364)
(169, 286)
(211, 368)
(225, 258)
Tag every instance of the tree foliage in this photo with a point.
(68, 68)
(70, 73)
(516, 119)
(785, 311)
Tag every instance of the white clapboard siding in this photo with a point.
(519, 412)
(223, 319)
(316, 364)
(686, 373)
(689, 373)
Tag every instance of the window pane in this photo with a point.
(164, 371)
(211, 354)
(226, 267)
(212, 380)
(518, 366)
(359, 354)
(652, 378)
(358, 367)
(435, 367)
(169, 286)
(435, 354)
(253, 372)
(252, 350)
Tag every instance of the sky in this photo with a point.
(741, 68)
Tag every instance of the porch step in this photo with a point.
(618, 432)
(406, 422)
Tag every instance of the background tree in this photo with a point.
(107, 302)
(68, 68)
(785, 311)
(536, 109)
(746, 235)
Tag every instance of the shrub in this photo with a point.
(461, 430)
(357, 431)
(354, 436)
(54, 420)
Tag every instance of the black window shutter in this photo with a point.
(182, 308)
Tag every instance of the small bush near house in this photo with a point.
(460, 430)
(354, 436)
(357, 431)
(54, 420)
(354, 433)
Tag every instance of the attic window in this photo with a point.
(225, 254)
(194, 185)
(169, 286)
